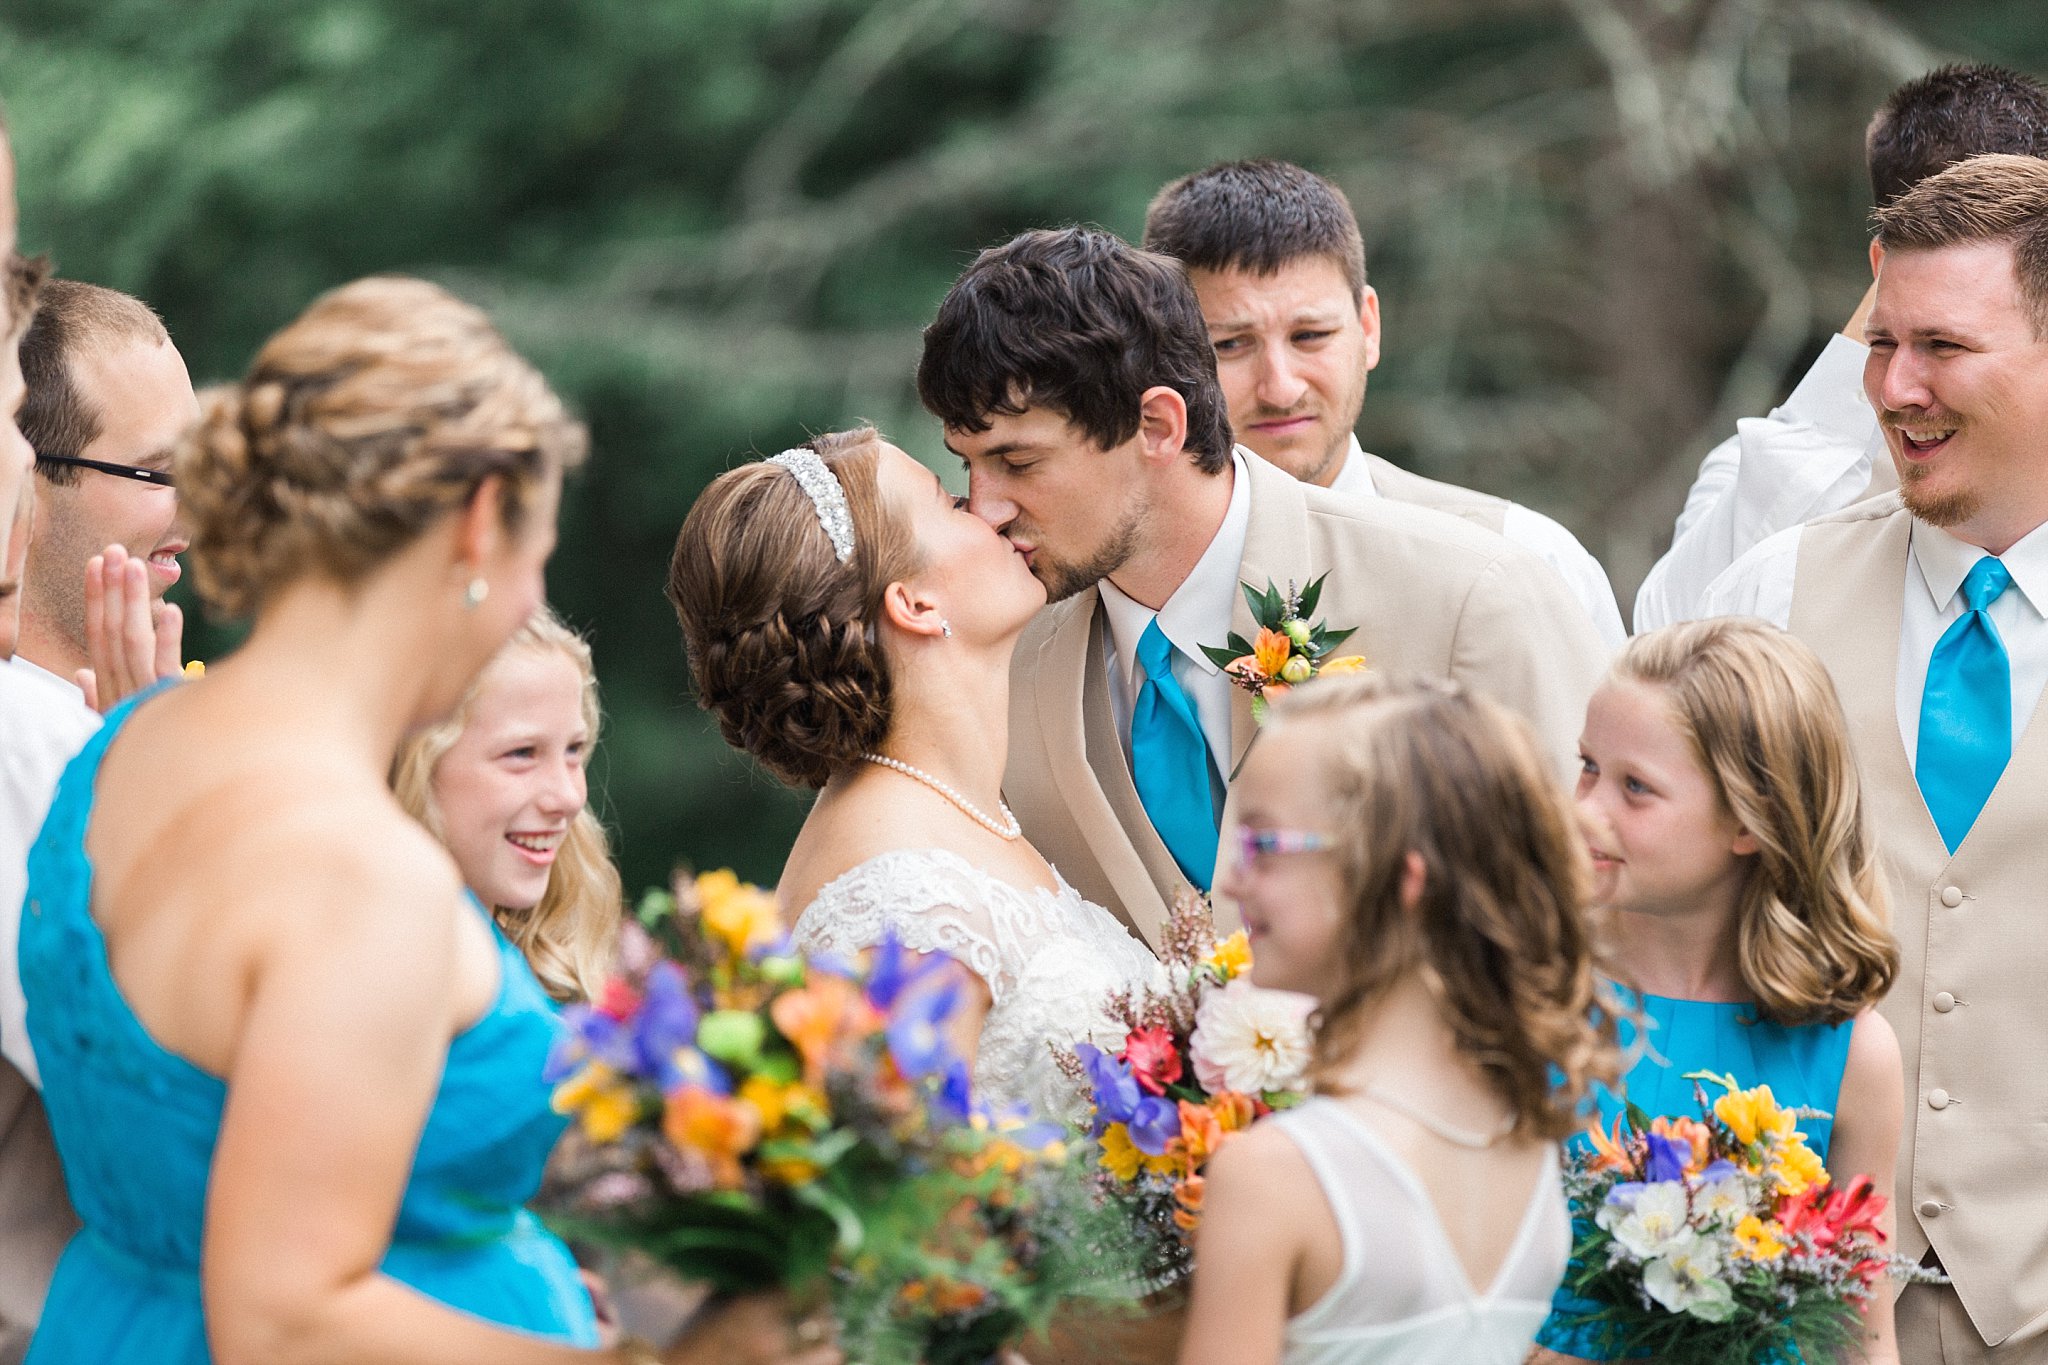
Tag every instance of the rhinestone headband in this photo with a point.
(821, 486)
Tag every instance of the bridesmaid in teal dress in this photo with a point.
(1746, 908)
(293, 1068)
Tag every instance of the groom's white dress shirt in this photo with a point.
(1760, 584)
(1198, 613)
(1811, 457)
(1547, 539)
(44, 721)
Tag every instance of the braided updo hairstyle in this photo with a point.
(361, 424)
(781, 636)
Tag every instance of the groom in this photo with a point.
(1074, 376)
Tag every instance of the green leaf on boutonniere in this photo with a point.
(1224, 658)
(1310, 595)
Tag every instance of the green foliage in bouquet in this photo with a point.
(752, 1119)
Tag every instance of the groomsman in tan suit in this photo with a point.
(1278, 263)
(1928, 607)
(1074, 376)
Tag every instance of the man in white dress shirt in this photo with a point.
(1277, 260)
(106, 397)
(1927, 605)
(1822, 450)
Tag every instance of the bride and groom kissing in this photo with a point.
(917, 658)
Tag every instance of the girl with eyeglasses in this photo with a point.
(1405, 859)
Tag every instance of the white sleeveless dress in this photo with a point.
(1050, 959)
(1403, 1297)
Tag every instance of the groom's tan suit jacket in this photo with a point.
(1428, 594)
(1970, 1004)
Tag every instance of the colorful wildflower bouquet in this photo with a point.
(1721, 1239)
(1289, 649)
(1198, 1065)
(751, 1119)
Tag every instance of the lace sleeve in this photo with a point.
(931, 905)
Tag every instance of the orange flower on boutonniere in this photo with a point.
(1289, 649)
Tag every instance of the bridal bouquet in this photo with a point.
(751, 1119)
(1721, 1239)
(1288, 650)
(1198, 1065)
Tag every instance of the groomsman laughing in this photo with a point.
(1927, 606)
(1075, 379)
(1278, 262)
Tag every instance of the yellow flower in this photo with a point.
(605, 1104)
(1754, 1114)
(741, 916)
(1794, 1167)
(780, 1101)
(1122, 1159)
(195, 669)
(1232, 957)
(1349, 663)
(1271, 650)
(1756, 1240)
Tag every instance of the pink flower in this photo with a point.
(1154, 1058)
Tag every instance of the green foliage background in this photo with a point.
(1601, 229)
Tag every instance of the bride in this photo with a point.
(850, 624)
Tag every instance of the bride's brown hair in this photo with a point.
(1424, 766)
(780, 635)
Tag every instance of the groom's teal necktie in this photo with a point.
(1966, 711)
(1170, 762)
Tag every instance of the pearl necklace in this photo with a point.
(1458, 1137)
(1008, 830)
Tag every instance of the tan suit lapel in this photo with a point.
(1276, 551)
(1089, 772)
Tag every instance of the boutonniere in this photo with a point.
(1290, 648)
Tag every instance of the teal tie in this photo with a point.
(1170, 762)
(1966, 711)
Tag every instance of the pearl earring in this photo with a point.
(473, 596)
(946, 628)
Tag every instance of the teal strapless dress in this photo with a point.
(135, 1126)
(1802, 1065)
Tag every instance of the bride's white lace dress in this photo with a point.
(1050, 958)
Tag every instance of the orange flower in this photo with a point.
(1188, 1198)
(719, 1129)
(1272, 650)
(1691, 1132)
(1609, 1154)
(1234, 1112)
(812, 1019)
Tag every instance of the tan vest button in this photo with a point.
(1943, 1002)
(1951, 896)
(1937, 1098)
(1927, 1208)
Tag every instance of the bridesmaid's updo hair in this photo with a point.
(361, 424)
(780, 635)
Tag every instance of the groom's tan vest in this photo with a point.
(1971, 1001)
(1428, 594)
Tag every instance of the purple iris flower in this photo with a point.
(917, 1039)
(1719, 1169)
(954, 1102)
(1153, 1123)
(665, 1024)
(1116, 1089)
(592, 1035)
(1624, 1195)
(894, 970)
(1667, 1158)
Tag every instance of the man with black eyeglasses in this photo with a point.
(108, 396)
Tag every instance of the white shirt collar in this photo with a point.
(1199, 611)
(1945, 562)
(1354, 476)
(44, 676)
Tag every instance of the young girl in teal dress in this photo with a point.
(1747, 915)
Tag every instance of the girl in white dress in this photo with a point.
(850, 624)
(1406, 858)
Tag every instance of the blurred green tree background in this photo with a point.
(1601, 229)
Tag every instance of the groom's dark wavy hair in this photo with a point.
(1080, 321)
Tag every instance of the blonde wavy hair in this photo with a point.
(568, 938)
(1500, 931)
(1765, 724)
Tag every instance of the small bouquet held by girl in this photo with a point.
(1198, 1065)
(752, 1120)
(1722, 1238)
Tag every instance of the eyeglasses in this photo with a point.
(1256, 844)
(158, 478)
